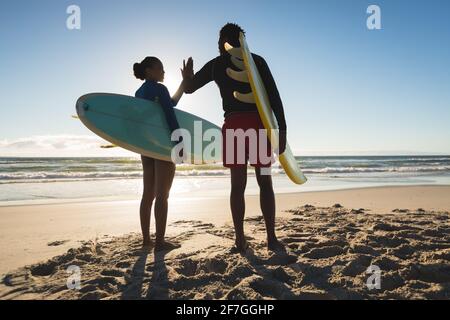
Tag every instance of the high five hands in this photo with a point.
(187, 71)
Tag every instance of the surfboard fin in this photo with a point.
(238, 63)
(244, 97)
(108, 146)
(235, 52)
(240, 76)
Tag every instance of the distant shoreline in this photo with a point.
(109, 199)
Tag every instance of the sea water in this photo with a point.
(47, 179)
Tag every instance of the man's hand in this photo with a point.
(282, 142)
(187, 72)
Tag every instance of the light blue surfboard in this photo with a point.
(140, 126)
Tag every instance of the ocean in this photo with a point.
(27, 179)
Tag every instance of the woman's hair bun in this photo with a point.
(139, 71)
(148, 62)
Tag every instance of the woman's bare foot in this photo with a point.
(147, 242)
(166, 246)
(240, 246)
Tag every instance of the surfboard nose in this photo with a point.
(81, 106)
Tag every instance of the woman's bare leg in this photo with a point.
(237, 204)
(148, 165)
(164, 172)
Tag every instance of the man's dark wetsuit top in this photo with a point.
(157, 92)
(216, 70)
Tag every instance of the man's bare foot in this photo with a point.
(166, 246)
(275, 245)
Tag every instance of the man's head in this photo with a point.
(229, 33)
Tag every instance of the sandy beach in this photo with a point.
(332, 237)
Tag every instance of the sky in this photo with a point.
(345, 89)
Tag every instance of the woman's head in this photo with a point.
(151, 68)
(229, 33)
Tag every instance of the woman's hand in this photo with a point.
(187, 72)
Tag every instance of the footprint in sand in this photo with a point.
(357, 266)
(437, 255)
(281, 275)
(400, 210)
(186, 267)
(196, 282)
(112, 273)
(123, 264)
(95, 295)
(432, 273)
(386, 264)
(265, 288)
(391, 281)
(404, 251)
(239, 270)
(364, 249)
(106, 283)
(44, 269)
(277, 259)
(434, 232)
(324, 252)
(385, 241)
(215, 265)
(387, 227)
(57, 243)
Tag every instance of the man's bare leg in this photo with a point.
(267, 203)
(237, 204)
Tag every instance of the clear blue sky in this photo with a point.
(346, 89)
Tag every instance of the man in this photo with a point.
(241, 116)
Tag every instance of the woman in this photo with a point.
(158, 175)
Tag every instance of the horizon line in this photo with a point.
(296, 156)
